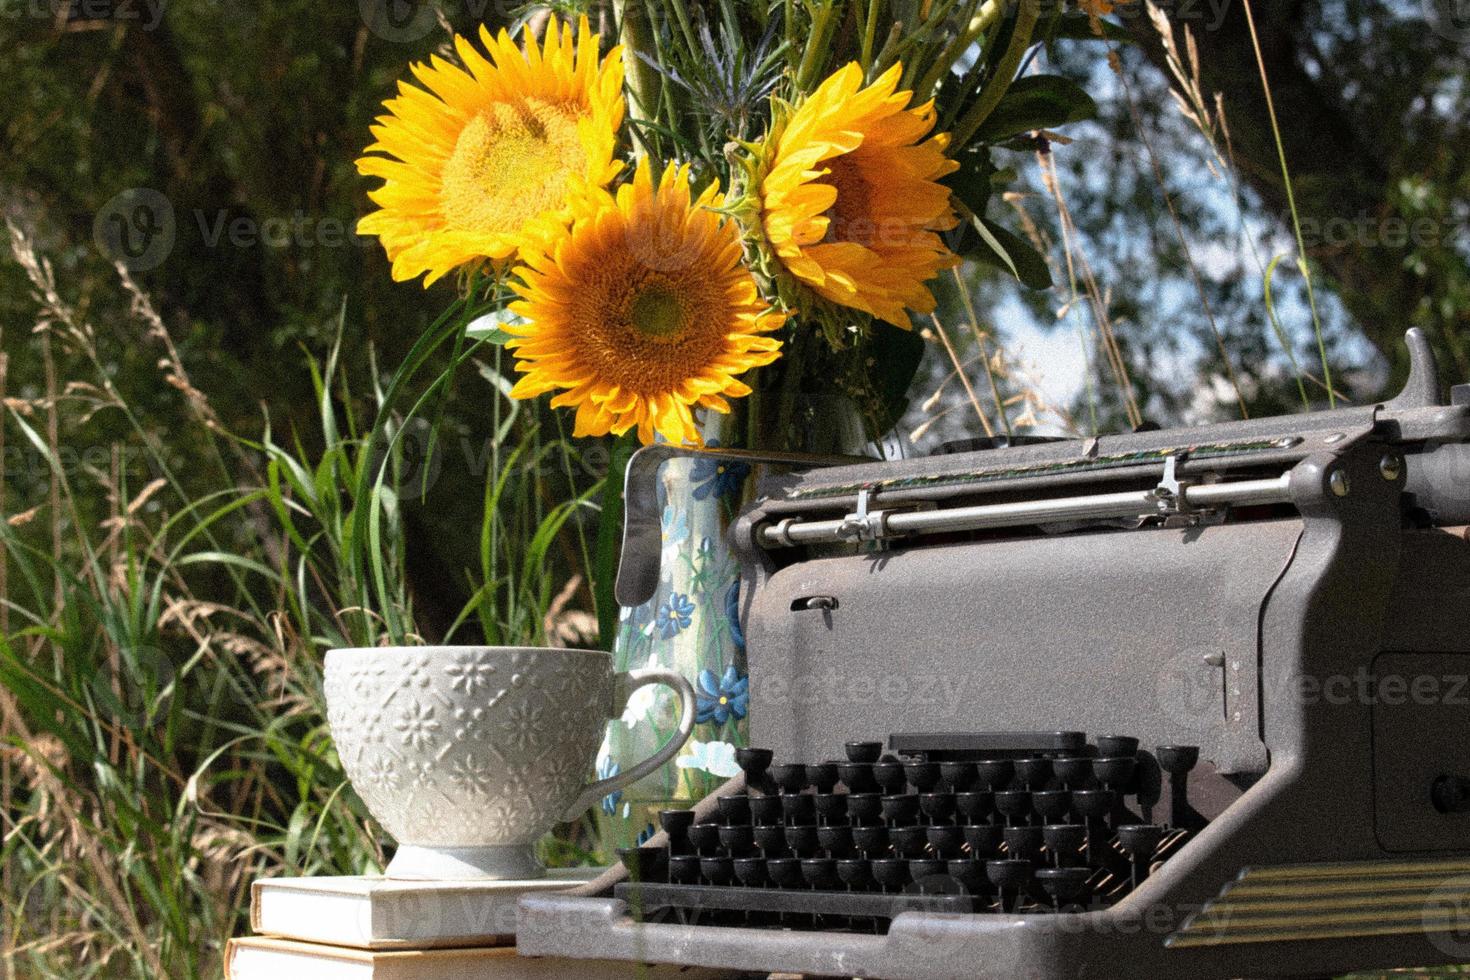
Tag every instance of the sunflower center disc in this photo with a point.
(849, 219)
(657, 313)
(510, 164)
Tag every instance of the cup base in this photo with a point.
(514, 862)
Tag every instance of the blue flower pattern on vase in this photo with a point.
(732, 614)
(645, 835)
(674, 615)
(717, 478)
(606, 769)
(722, 697)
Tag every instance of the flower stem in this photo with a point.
(995, 89)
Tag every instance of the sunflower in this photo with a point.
(486, 158)
(851, 200)
(641, 311)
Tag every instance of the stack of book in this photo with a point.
(370, 928)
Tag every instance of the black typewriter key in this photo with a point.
(857, 777)
(970, 874)
(922, 776)
(1024, 843)
(765, 811)
(868, 752)
(820, 874)
(751, 872)
(1014, 805)
(754, 763)
(946, 842)
(831, 807)
(822, 775)
(892, 874)
(871, 841)
(737, 841)
(1091, 807)
(984, 840)
(1115, 745)
(1066, 887)
(939, 808)
(799, 808)
(864, 808)
(1064, 841)
(734, 810)
(856, 874)
(771, 840)
(1139, 842)
(676, 824)
(717, 870)
(1051, 805)
(1012, 880)
(890, 776)
(908, 842)
(684, 869)
(645, 864)
(930, 875)
(958, 776)
(1116, 773)
(1178, 761)
(705, 838)
(835, 841)
(975, 806)
(994, 774)
(785, 872)
(1034, 773)
(802, 840)
(901, 809)
(789, 776)
(1074, 771)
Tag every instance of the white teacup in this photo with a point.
(468, 755)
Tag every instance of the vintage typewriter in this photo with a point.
(1277, 614)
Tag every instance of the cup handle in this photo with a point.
(626, 685)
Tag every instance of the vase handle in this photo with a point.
(638, 570)
(626, 685)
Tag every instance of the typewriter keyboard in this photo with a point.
(985, 822)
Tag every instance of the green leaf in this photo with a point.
(974, 181)
(1074, 25)
(1037, 102)
(609, 540)
(1006, 250)
(892, 373)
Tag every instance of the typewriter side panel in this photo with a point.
(1150, 632)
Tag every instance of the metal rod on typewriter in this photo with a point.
(1140, 503)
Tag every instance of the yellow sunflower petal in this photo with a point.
(641, 311)
(487, 159)
(850, 198)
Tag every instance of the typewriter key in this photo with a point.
(1091, 806)
(892, 874)
(922, 776)
(751, 872)
(799, 808)
(938, 807)
(864, 808)
(822, 775)
(856, 874)
(902, 809)
(958, 776)
(1051, 805)
(789, 776)
(909, 842)
(820, 873)
(1034, 773)
(970, 874)
(645, 864)
(1075, 771)
(754, 763)
(676, 824)
(837, 841)
(684, 869)
(1114, 745)
(890, 776)
(734, 810)
(995, 773)
(1139, 842)
(802, 840)
(975, 806)
(705, 837)
(737, 841)
(1178, 761)
(857, 777)
(770, 839)
(1024, 843)
(765, 811)
(1064, 841)
(785, 872)
(1012, 880)
(930, 875)
(1116, 773)
(1066, 887)
(868, 752)
(984, 840)
(717, 870)
(831, 807)
(872, 841)
(1014, 805)
(946, 842)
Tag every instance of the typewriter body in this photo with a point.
(1287, 597)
